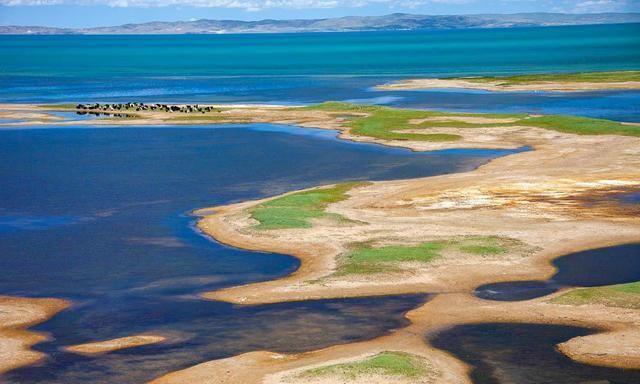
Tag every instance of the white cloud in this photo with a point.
(601, 6)
(593, 6)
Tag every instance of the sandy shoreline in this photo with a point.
(498, 86)
(16, 315)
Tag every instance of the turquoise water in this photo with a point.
(458, 52)
(309, 68)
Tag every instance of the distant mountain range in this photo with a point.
(396, 21)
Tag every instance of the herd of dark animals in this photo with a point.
(108, 108)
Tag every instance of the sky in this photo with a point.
(90, 13)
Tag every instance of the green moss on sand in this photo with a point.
(621, 295)
(58, 106)
(393, 124)
(398, 364)
(297, 209)
(582, 77)
(367, 259)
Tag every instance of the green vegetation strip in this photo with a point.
(397, 364)
(297, 209)
(389, 123)
(366, 259)
(583, 77)
(621, 295)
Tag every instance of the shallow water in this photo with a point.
(200, 331)
(505, 353)
(100, 216)
(595, 267)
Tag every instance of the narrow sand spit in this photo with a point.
(16, 315)
(498, 86)
(100, 347)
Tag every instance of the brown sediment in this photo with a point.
(100, 347)
(16, 315)
(501, 86)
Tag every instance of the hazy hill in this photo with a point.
(396, 21)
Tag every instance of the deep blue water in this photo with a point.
(101, 216)
(315, 67)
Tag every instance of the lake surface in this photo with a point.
(505, 353)
(101, 216)
(315, 67)
(595, 267)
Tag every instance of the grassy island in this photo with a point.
(549, 82)
(580, 77)
(369, 259)
(396, 364)
(400, 124)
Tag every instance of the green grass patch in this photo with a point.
(392, 123)
(586, 77)
(582, 125)
(620, 295)
(339, 106)
(58, 106)
(386, 363)
(367, 259)
(297, 209)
